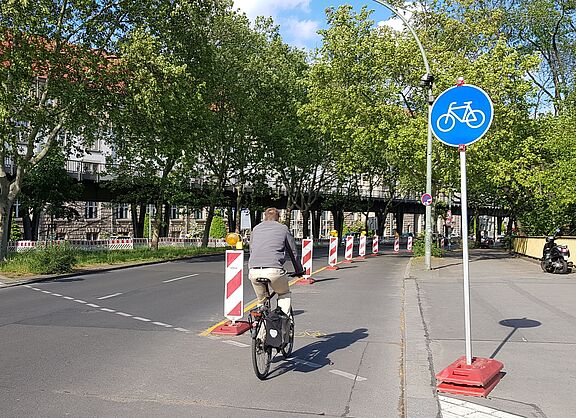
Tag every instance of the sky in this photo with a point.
(299, 20)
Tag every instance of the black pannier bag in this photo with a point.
(276, 328)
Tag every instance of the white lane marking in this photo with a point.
(182, 329)
(127, 315)
(306, 363)
(180, 278)
(236, 343)
(457, 407)
(348, 375)
(109, 296)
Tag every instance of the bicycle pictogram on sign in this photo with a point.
(474, 118)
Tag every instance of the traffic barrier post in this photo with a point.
(233, 295)
(307, 249)
(333, 254)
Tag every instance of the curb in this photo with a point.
(38, 279)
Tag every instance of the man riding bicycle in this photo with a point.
(270, 243)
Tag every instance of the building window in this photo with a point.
(91, 210)
(16, 206)
(198, 214)
(92, 236)
(122, 211)
(174, 212)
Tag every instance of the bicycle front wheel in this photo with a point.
(261, 354)
(288, 346)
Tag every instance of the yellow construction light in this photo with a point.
(334, 233)
(232, 239)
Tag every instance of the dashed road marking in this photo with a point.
(180, 278)
(124, 314)
(348, 375)
(306, 363)
(109, 296)
(235, 343)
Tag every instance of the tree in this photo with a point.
(55, 79)
(46, 189)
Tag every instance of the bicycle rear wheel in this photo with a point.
(287, 348)
(261, 354)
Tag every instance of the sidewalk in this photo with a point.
(521, 316)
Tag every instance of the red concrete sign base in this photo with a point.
(305, 281)
(332, 268)
(476, 379)
(229, 328)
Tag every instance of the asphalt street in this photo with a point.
(128, 343)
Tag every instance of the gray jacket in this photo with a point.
(270, 243)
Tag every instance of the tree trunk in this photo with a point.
(316, 219)
(381, 217)
(255, 217)
(209, 218)
(5, 208)
(165, 226)
(138, 214)
(239, 197)
(338, 216)
(231, 219)
(156, 227)
(27, 224)
(305, 222)
(288, 217)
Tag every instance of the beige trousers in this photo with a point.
(278, 283)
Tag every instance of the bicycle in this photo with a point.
(261, 352)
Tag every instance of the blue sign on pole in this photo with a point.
(461, 115)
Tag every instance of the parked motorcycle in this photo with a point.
(554, 256)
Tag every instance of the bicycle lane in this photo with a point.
(347, 359)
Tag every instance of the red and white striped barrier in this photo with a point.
(22, 246)
(333, 254)
(307, 248)
(375, 245)
(362, 248)
(349, 249)
(120, 244)
(396, 244)
(409, 245)
(233, 294)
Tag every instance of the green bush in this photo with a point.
(419, 248)
(53, 259)
(218, 227)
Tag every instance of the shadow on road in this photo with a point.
(314, 356)
(515, 324)
(325, 279)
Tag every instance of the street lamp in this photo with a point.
(426, 81)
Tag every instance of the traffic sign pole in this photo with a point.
(465, 257)
(460, 116)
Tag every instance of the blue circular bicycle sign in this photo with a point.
(461, 115)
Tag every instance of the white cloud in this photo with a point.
(254, 8)
(302, 29)
(407, 11)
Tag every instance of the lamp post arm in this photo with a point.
(397, 13)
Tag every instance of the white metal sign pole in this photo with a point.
(464, 205)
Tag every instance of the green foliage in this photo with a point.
(419, 248)
(15, 232)
(218, 227)
(49, 259)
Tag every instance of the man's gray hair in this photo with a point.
(271, 214)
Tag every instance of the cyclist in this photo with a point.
(270, 244)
